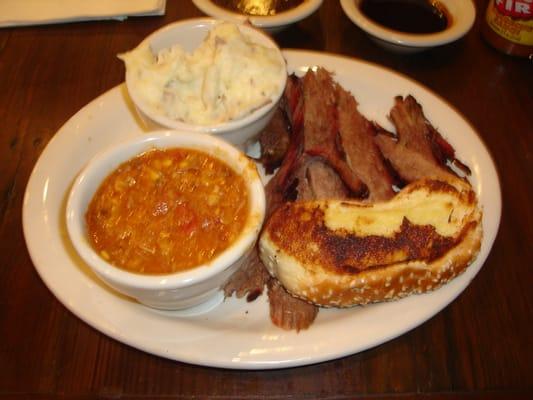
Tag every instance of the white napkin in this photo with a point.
(38, 12)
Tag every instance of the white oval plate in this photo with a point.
(237, 334)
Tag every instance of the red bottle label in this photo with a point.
(522, 9)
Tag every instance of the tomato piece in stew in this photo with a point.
(166, 211)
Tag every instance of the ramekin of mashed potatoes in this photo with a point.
(228, 85)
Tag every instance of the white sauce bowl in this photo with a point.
(462, 12)
(189, 34)
(179, 290)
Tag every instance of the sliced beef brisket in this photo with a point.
(289, 312)
(274, 141)
(321, 126)
(419, 150)
(409, 164)
(362, 154)
(249, 280)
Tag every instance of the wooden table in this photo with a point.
(478, 347)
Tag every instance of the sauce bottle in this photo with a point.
(508, 26)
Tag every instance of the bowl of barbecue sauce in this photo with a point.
(411, 26)
(269, 15)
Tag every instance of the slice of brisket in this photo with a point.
(294, 109)
(412, 127)
(362, 154)
(324, 182)
(249, 280)
(274, 141)
(409, 164)
(321, 126)
(419, 150)
(288, 312)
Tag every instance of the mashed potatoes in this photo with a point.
(225, 78)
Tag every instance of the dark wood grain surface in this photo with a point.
(479, 347)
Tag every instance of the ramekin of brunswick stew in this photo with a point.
(167, 211)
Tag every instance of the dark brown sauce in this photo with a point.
(258, 7)
(410, 16)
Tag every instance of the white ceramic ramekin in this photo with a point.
(189, 34)
(178, 290)
(463, 14)
(270, 23)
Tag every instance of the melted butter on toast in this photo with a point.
(443, 210)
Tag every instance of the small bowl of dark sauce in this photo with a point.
(410, 26)
(269, 15)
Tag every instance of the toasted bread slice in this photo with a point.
(338, 253)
